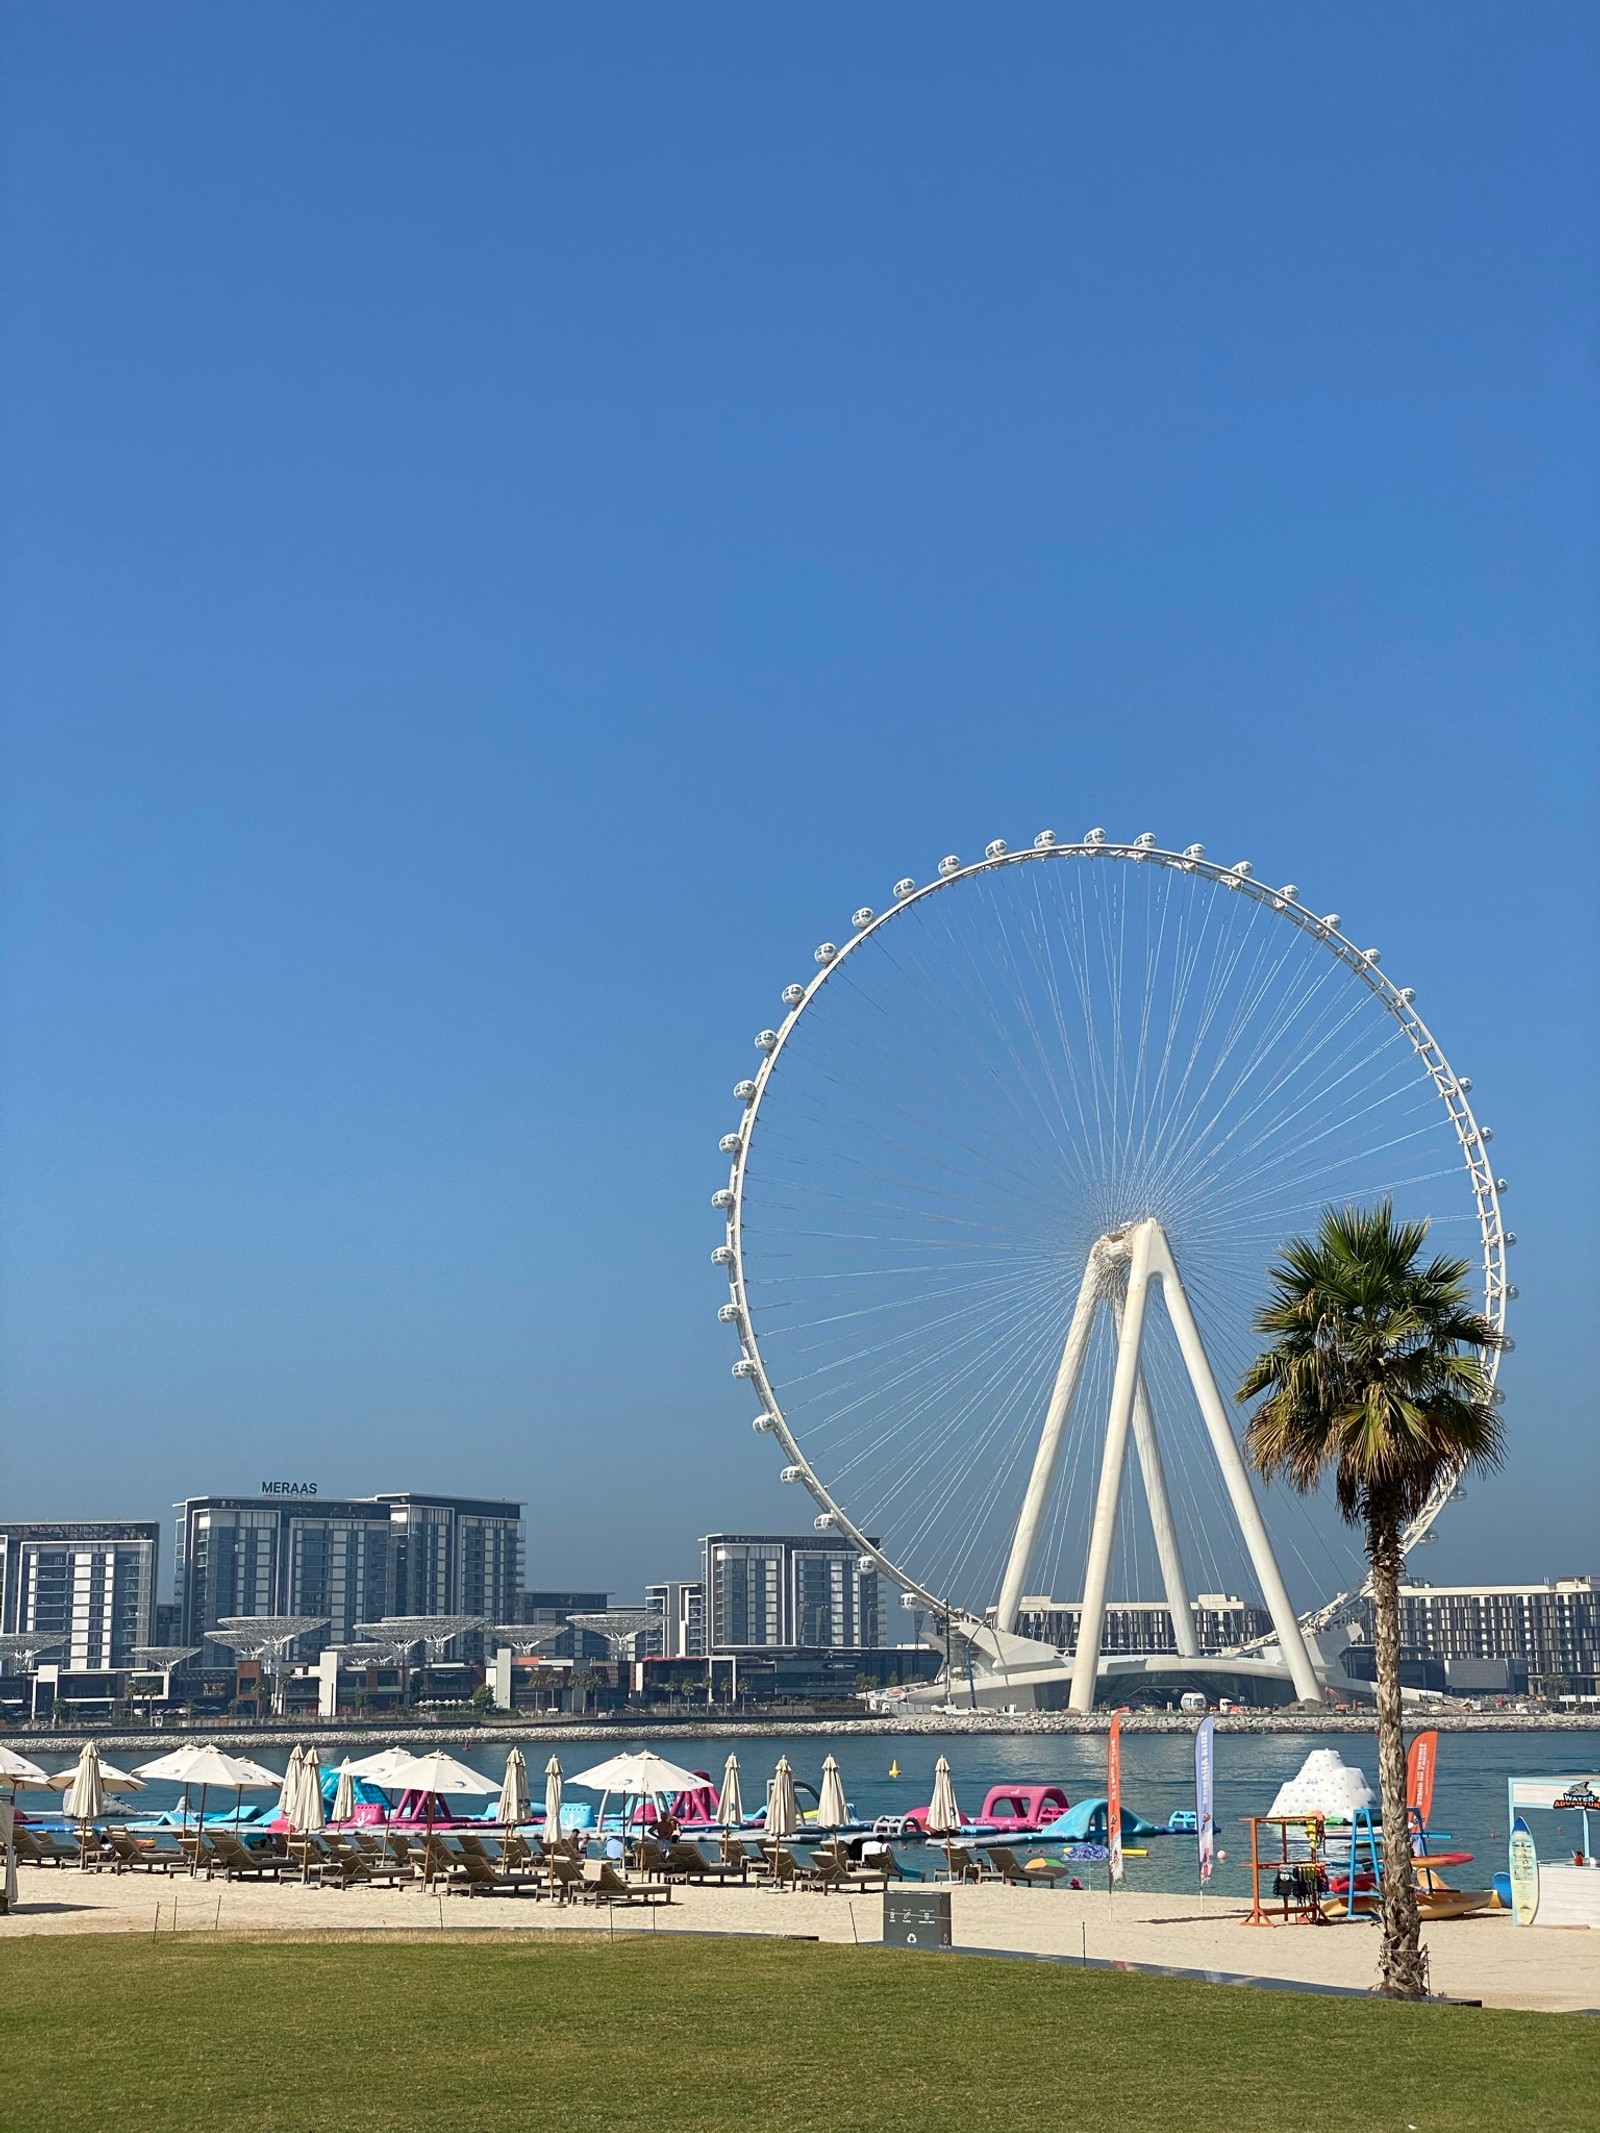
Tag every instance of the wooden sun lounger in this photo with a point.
(964, 1865)
(143, 1854)
(687, 1862)
(477, 1877)
(235, 1860)
(603, 1884)
(1038, 1873)
(41, 1847)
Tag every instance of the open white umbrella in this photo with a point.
(552, 1800)
(380, 1766)
(832, 1810)
(944, 1816)
(289, 1794)
(730, 1807)
(310, 1815)
(783, 1810)
(15, 1770)
(344, 1795)
(640, 1775)
(115, 1780)
(514, 1803)
(193, 1765)
(435, 1775)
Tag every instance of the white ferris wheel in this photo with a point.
(1001, 1205)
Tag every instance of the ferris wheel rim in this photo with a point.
(831, 957)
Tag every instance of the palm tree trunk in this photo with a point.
(1403, 1974)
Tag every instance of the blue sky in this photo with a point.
(516, 521)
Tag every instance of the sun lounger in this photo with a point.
(1038, 1873)
(565, 1877)
(603, 1884)
(143, 1854)
(687, 1862)
(964, 1865)
(41, 1847)
(235, 1860)
(824, 1875)
(476, 1876)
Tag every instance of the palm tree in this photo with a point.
(1376, 1373)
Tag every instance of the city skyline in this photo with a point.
(548, 588)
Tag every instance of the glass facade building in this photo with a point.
(764, 1591)
(86, 1586)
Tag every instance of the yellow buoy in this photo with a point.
(894, 1770)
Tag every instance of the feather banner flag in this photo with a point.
(1204, 1795)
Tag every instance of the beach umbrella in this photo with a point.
(15, 1770)
(552, 1800)
(436, 1774)
(193, 1765)
(730, 1807)
(380, 1767)
(640, 1775)
(119, 1780)
(513, 1807)
(344, 1795)
(310, 1815)
(832, 1812)
(944, 1815)
(289, 1794)
(783, 1810)
(86, 1797)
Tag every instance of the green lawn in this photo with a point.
(684, 2036)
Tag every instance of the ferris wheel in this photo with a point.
(1001, 1205)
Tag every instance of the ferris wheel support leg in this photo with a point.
(1240, 1494)
(1086, 1658)
(1168, 1552)
(1046, 1459)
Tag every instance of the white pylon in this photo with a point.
(1122, 1266)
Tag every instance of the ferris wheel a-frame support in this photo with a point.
(1121, 1269)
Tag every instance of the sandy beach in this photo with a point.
(1486, 1958)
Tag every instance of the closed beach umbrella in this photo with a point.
(730, 1807)
(86, 1796)
(943, 1813)
(832, 1812)
(312, 1815)
(783, 1810)
(344, 1795)
(552, 1799)
(289, 1795)
(514, 1803)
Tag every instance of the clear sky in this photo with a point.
(517, 520)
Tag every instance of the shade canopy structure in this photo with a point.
(162, 1658)
(832, 1810)
(552, 1799)
(944, 1816)
(514, 1803)
(783, 1810)
(730, 1806)
(435, 1631)
(620, 1626)
(525, 1637)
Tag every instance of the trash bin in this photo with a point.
(916, 1920)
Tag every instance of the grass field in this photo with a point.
(685, 2036)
